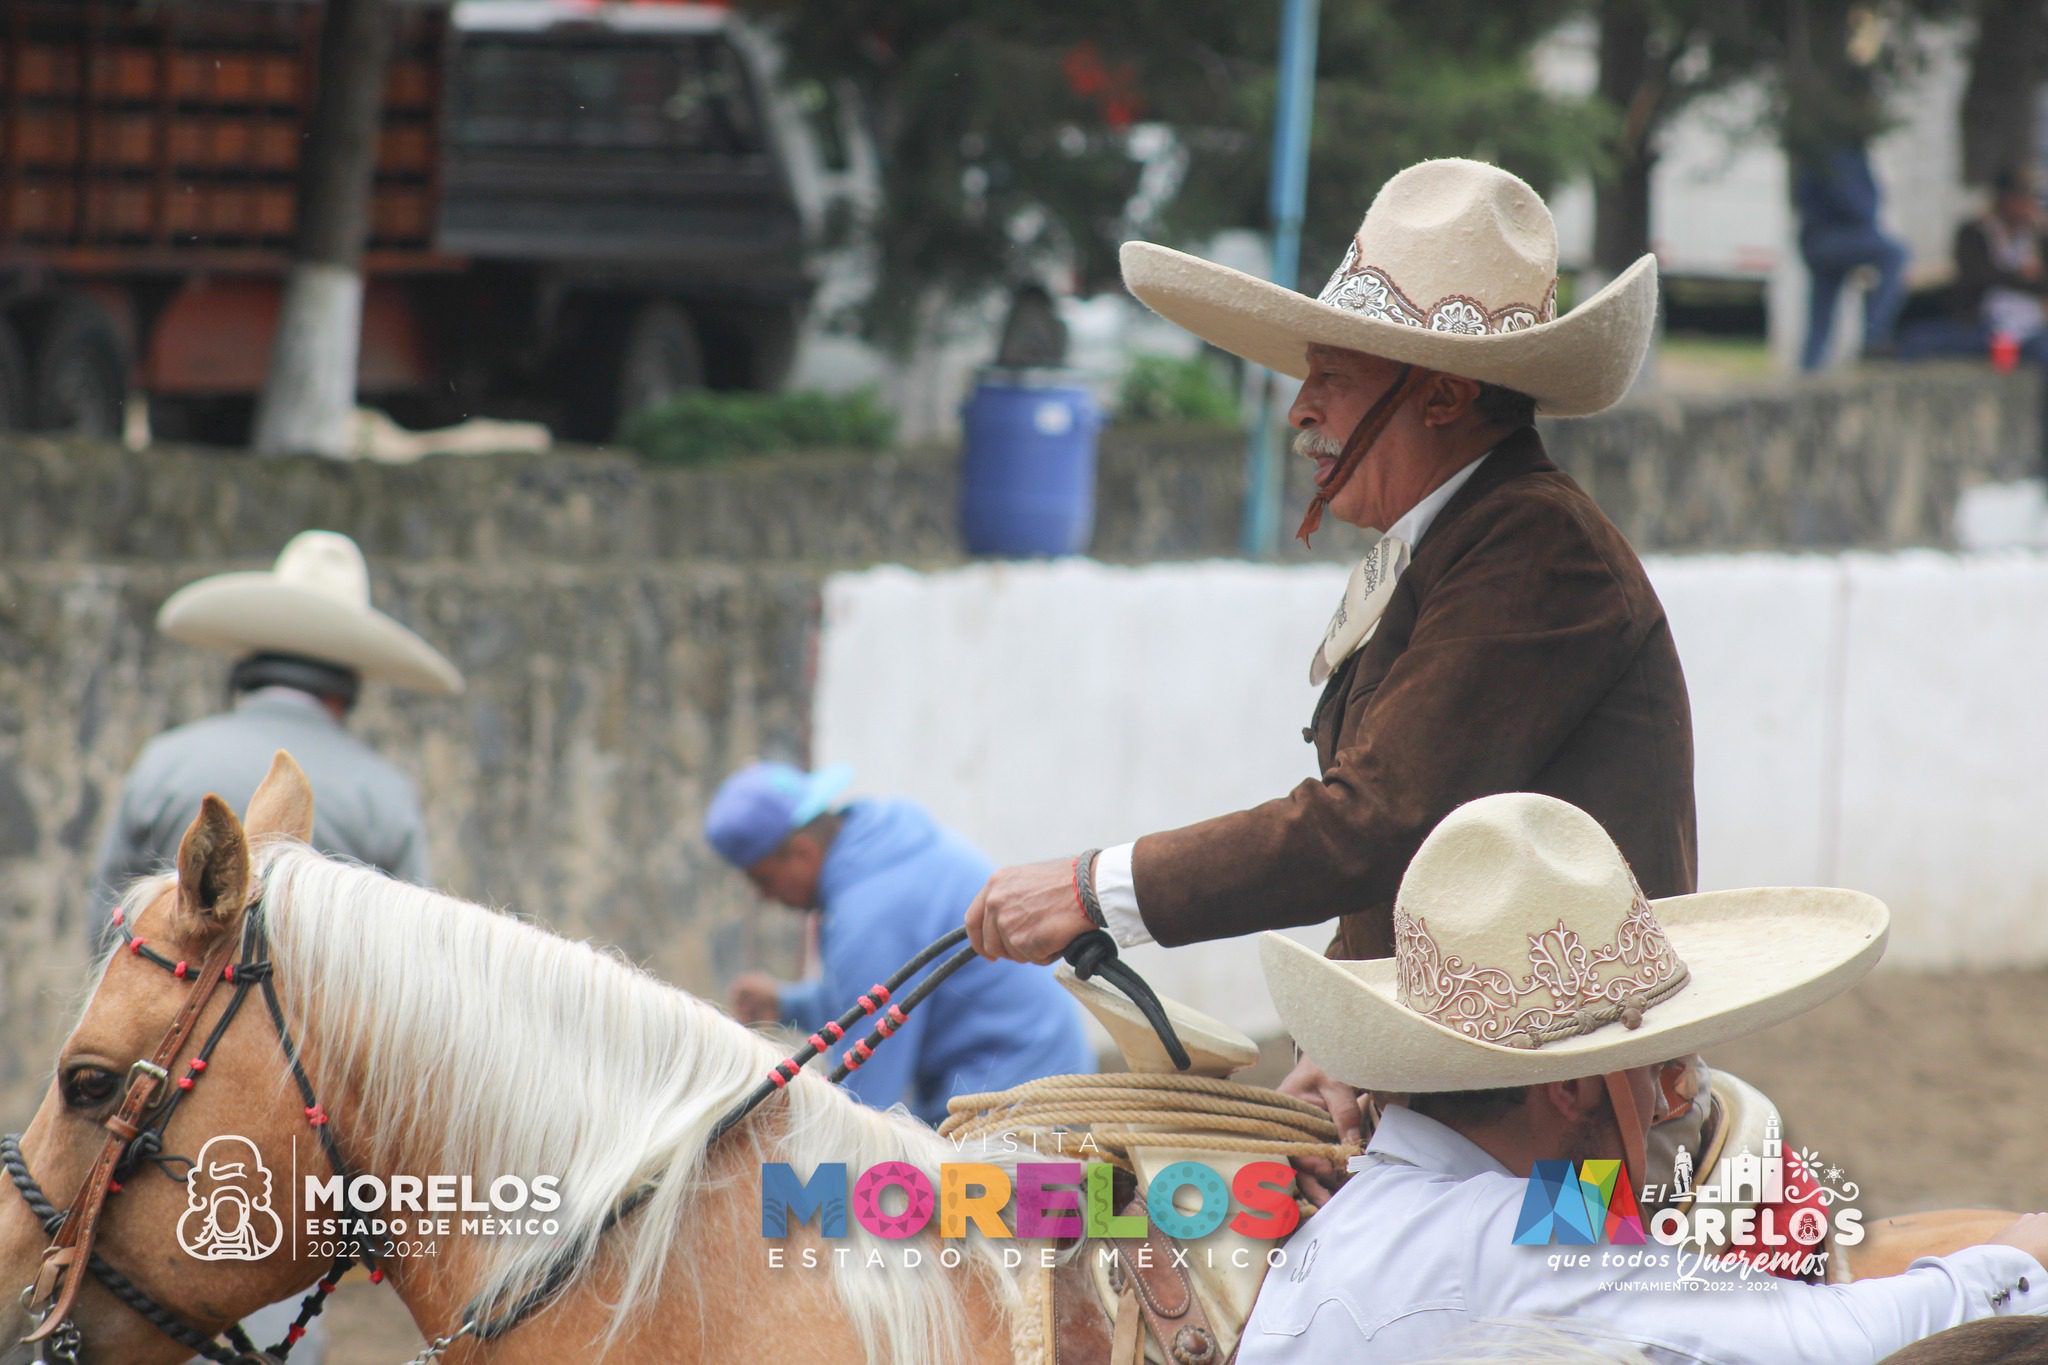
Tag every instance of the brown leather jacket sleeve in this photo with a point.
(1518, 637)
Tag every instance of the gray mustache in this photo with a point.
(1314, 445)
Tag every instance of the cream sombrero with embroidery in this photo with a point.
(315, 603)
(1524, 952)
(1454, 269)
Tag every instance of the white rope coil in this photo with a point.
(1123, 1110)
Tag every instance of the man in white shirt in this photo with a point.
(1532, 990)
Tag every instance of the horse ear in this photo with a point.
(213, 867)
(283, 803)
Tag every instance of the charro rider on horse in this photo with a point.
(1500, 636)
(1506, 1061)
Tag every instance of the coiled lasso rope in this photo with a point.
(1118, 1111)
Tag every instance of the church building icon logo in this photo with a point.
(1747, 1177)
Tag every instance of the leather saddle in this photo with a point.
(1132, 1301)
(1150, 1299)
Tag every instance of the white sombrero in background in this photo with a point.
(1454, 269)
(315, 604)
(1524, 952)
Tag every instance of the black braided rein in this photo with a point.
(1092, 954)
(873, 1001)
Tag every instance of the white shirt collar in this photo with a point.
(276, 698)
(1404, 1135)
(1413, 524)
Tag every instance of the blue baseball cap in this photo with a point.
(764, 803)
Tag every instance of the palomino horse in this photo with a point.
(410, 1035)
(444, 1039)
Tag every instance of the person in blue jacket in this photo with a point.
(1835, 195)
(886, 880)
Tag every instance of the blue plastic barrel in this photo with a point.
(1028, 478)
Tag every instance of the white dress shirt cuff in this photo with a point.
(1116, 891)
(2000, 1280)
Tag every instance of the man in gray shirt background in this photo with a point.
(305, 638)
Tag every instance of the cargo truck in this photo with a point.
(578, 209)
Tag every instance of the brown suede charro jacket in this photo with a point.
(1522, 650)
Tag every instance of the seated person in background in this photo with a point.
(2000, 283)
(886, 880)
(1532, 995)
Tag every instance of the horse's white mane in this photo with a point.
(485, 1045)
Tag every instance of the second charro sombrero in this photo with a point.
(1453, 269)
(1524, 952)
(313, 604)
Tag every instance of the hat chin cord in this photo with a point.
(1361, 441)
(1635, 1131)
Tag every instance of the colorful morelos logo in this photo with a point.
(228, 1216)
(1774, 1211)
(1579, 1205)
(1053, 1199)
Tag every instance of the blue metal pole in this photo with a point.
(1293, 117)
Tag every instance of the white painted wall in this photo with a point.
(1871, 721)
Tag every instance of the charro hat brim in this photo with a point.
(1214, 1048)
(246, 613)
(1756, 958)
(1575, 365)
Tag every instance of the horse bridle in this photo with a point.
(135, 1135)
(151, 1095)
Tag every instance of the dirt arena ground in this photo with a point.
(1927, 1089)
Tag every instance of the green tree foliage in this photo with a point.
(702, 427)
(1162, 388)
(1007, 130)
(2008, 63)
(1656, 57)
(1827, 67)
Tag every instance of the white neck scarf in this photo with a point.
(1365, 598)
(1372, 581)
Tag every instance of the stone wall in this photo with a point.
(1871, 459)
(631, 634)
(568, 783)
